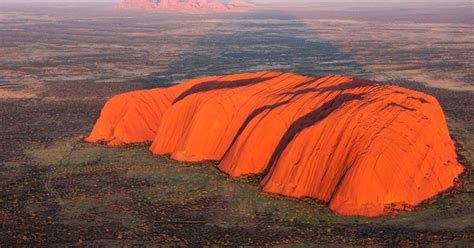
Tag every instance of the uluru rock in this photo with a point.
(186, 5)
(361, 146)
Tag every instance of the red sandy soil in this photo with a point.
(361, 146)
(189, 5)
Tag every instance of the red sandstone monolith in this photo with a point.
(361, 146)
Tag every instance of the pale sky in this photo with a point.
(302, 3)
(278, 1)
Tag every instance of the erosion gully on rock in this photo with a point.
(361, 146)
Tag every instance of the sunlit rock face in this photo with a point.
(361, 146)
(186, 5)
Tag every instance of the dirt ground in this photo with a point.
(57, 190)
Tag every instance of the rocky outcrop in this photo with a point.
(141, 4)
(188, 5)
(361, 146)
(239, 4)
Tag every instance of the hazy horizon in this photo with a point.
(270, 1)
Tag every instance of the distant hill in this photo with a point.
(186, 5)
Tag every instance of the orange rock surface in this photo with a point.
(361, 146)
